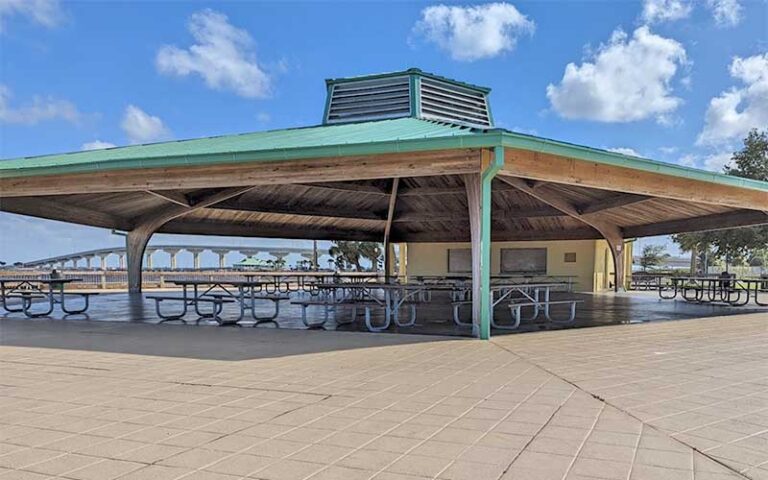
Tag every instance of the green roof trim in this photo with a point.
(410, 71)
(352, 139)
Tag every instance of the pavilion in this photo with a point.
(399, 157)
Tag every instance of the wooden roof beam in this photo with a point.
(497, 214)
(433, 191)
(171, 196)
(612, 233)
(499, 235)
(611, 202)
(347, 188)
(310, 171)
(571, 171)
(719, 221)
(268, 231)
(304, 211)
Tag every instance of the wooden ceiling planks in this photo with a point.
(428, 208)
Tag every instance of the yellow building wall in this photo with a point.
(432, 259)
(604, 269)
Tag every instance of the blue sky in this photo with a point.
(674, 80)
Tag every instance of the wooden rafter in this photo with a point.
(611, 202)
(609, 231)
(305, 211)
(717, 221)
(347, 187)
(171, 196)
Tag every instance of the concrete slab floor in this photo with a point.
(662, 400)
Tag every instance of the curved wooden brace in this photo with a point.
(609, 231)
(147, 224)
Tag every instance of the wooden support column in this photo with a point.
(388, 230)
(610, 232)
(474, 199)
(138, 237)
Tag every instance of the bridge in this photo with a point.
(72, 260)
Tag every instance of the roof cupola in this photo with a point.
(410, 93)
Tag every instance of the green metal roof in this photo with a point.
(288, 144)
(250, 262)
(366, 138)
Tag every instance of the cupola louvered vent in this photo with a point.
(443, 101)
(370, 100)
(411, 93)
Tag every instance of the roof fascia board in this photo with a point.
(470, 140)
(542, 145)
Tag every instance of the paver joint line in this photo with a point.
(642, 422)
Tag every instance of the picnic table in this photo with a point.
(536, 296)
(392, 297)
(217, 293)
(729, 290)
(50, 290)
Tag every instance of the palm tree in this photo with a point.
(349, 254)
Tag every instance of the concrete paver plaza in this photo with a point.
(657, 401)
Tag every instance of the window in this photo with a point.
(570, 257)
(529, 261)
(459, 260)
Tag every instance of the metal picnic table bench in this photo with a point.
(219, 292)
(530, 296)
(27, 290)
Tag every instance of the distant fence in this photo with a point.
(118, 279)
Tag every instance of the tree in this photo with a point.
(736, 245)
(349, 254)
(653, 256)
(752, 160)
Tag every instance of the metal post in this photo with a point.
(489, 171)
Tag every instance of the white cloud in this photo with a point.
(47, 13)
(734, 112)
(656, 11)
(727, 13)
(263, 117)
(222, 55)
(625, 151)
(39, 110)
(714, 162)
(142, 127)
(476, 32)
(628, 79)
(97, 145)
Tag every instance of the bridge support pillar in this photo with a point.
(172, 252)
(88, 262)
(222, 258)
(121, 261)
(195, 257)
(148, 259)
(103, 261)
